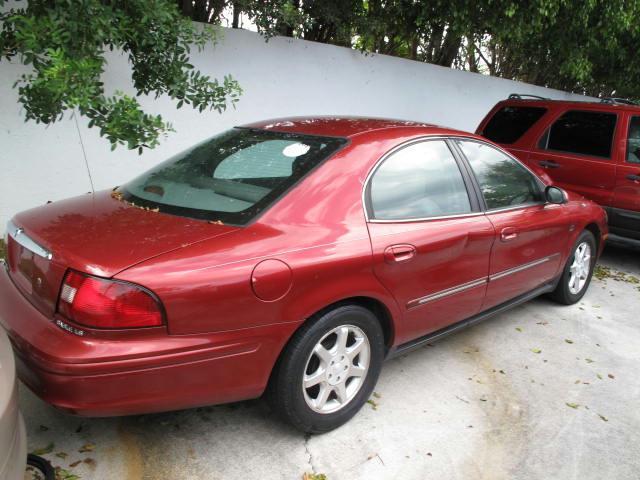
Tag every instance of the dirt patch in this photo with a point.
(131, 453)
(506, 428)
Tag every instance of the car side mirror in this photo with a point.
(556, 195)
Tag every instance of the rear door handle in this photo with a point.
(399, 253)
(509, 233)
(633, 178)
(548, 164)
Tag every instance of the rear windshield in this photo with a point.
(510, 123)
(231, 177)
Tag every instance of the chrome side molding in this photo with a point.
(23, 239)
(476, 283)
(445, 293)
(520, 268)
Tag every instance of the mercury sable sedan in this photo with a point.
(289, 257)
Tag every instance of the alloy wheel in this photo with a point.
(580, 268)
(336, 369)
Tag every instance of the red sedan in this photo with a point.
(290, 256)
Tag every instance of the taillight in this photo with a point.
(97, 302)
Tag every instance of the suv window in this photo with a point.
(510, 123)
(418, 181)
(504, 182)
(584, 133)
(633, 142)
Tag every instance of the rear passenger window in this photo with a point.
(418, 181)
(510, 123)
(504, 182)
(583, 133)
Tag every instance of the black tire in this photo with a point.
(285, 393)
(42, 465)
(562, 294)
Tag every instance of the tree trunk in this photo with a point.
(450, 49)
(236, 15)
(187, 8)
(435, 43)
(471, 56)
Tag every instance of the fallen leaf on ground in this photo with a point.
(603, 418)
(314, 476)
(611, 376)
(376, 394)
(588, 360)
(568, 340)
(373, 404)
(572, 405)
(62, 455)
(62, 474)
(75, 464)
(89, 447)
(45, 450)
(519, 329)
(536, 350)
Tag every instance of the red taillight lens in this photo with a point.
(97, 302)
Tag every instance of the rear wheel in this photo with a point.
(578, 271)
(329, 369)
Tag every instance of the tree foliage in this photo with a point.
(587, 47)
(64, 41)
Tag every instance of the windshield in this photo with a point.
(231, 177)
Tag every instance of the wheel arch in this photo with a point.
(597, 233)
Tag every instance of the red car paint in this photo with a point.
(613, 182)
(234, 296)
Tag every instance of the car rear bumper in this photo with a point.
(127, 374)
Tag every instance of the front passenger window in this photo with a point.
(418, 181)
(503, 181)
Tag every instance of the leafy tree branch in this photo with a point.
(64, 41)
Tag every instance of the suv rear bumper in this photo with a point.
(137, 371)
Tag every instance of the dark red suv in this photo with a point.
(590, 148)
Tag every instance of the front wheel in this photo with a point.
(328, 370)
(578, 270)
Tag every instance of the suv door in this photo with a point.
(624, 214)
(576, 153)
(430, 240)
(531, 236)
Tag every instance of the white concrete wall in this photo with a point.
(282, 77)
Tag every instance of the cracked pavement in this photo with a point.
(541, 391)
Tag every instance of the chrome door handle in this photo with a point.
(399, 253)
(548, 164)
(509, 233)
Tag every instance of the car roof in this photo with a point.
(346, 127)
(592, 105)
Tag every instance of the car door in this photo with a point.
(430, 240)
(576, 153)
(624, 214)
(531, 235)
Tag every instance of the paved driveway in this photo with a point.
(540, 392)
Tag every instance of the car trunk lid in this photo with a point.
(96, 234)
